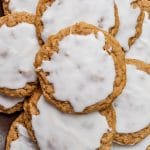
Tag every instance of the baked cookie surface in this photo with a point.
(75, 68)
(143, 145)
(67, 131)
(19, 45)
(63, 13)
(11, 6)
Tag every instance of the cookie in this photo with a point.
(81, 69)
(18, 137)
(133, 104)
(130, 19)
(143, 145)
(11, 6)
(10, 105)
(18, 46)
(67, 131)
(53, 15)
(141, 48)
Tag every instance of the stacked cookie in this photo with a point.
(79, 73)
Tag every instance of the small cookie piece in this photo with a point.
(18, 46)
(140, 146)
(11, 6)
(18, 137)
(133, 104)
(10, 105)
(53, 15)
(81, 69)
(66, 131)
(141, 48)
(130, 23)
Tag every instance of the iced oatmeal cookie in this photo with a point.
(69, 131)
(133, 105)
(18, 46)
(81, 69)
(53, 15)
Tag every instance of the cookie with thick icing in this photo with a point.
(81, 69)
(68, 131)
(130, 19)
(54, 15)
(10, 105)
(18, 46)
(18, 137)
(11, 6)
(133, 105)
(141, 48)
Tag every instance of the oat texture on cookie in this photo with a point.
(80, 69)
(133, 104)
(143, 145)
(68, 131)
(11, 6)
(18, 46)
(63, 13)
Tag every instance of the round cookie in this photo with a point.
(18, 137)
(130, 19)
(133, 104)
(77, 60)
(67, 131)
(11, 6)
(141, 48)
(10, 105)
(18, 46)
(63, 13)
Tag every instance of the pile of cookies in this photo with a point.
(70, 65)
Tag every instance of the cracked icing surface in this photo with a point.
(16, 43)
(67, 132)
(141, 48)
(63, 13)
(140, 146)
(80, 66)
(8, 102)
(128, 20)
(24, 141)
(134, 102)
(23, 5)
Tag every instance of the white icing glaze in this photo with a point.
(134, 102)
(128, 21)
(24, 142)
(64, 13)
(141, 48)
(55, 130)
(140, 146)
(79, 71)
(23, 5)
(9, 102)
(18, 46)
